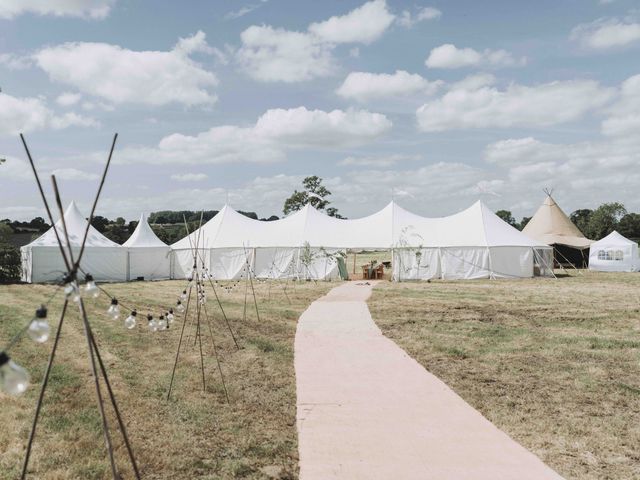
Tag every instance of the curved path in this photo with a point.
(366, 410)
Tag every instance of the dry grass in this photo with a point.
(554, 363)
(195, 434)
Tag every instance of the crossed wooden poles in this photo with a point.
(201, 318)
(97, 365)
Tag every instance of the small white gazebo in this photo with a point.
(148, 257)
(614, 253)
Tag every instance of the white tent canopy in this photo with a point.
(148, 257)
(474, 243)
(104, 259)
(614, 253)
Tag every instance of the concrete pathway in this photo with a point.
(366, 410)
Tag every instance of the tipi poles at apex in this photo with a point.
(72, 290)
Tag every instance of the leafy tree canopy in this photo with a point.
(314, 194)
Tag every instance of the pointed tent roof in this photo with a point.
(613, 239)
(551, 225)
(143, 236)
(76, 225)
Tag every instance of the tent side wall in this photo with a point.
(45, 264)
(149, 263)
(614, 258)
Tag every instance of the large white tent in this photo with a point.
(614, 253)
(474, 243)
(104, 259)
(149, 258)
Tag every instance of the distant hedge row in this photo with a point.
(9, 264)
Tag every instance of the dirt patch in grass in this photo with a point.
(554, 363)
(196, 434)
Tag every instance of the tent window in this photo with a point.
(611, 255)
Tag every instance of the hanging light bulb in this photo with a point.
(170, 316)
(71, 291)
(180, 307)
(14, 379)
(152, 323)
(130, 321)
(114, 310)
(39, 327)
(162, 323)
(183, 295)
(90, 288)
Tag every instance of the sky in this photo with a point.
(435, 104)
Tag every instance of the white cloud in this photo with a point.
(364, 86)
(68, 99)
(408, 20)
(241, 12)
(28, 114)
(624, 115)
(477, 104)
(606, 33)
(15, 62)
(94, 9)
(189, 177)
(364, 24)
(271, 54)
(377, 161)
(121, 76)
(14, 169)
(275, 132)
(74, 174)
(450, 56)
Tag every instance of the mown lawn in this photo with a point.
(195, 434)
(554, 363)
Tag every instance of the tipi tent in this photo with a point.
(551, 225)
(149, 258)
(614, 253)
(104, 259)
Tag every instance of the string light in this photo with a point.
(14, 379)
(90, 288)
(183, 295)
(170, 316)
(130, 321)
(180, 307)
(114, 310)
(152, 323)
(39, 327)
(72, 291)
(162, 323)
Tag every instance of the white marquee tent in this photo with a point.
(614, 253)
(104, 259)
(474, 243)
(149, 258)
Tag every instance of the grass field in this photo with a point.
(554, 363)
(195, 434)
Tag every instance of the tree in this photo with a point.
(507, 217)
(580, 219)
(100, 223)
(5, 233)
(314, 194)
(523, 223)
(605, 219)
(629, 225)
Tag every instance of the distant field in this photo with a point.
(195, 434)
(554, 363)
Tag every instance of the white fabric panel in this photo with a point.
(143, 236)
(182, 263)
(465, 263)
(511, 262)
(105, 264)
(614, 253)
(275, 263)
(323, 265)
(416, 264)
(150, 263)
(229, 263)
